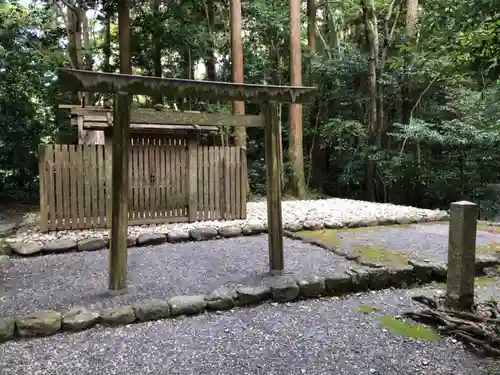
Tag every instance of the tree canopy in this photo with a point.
(408, 108)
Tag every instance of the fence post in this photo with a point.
(192, 180)
(461, 255)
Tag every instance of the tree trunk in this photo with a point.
(240, 136)
(107, 42)
(237, 65)
(157, 100)
(371, 33)
(275, 79)
(297, 183)
(107, 52)
(210, 60)
(319, 157)
(410, 25)
(188, 73)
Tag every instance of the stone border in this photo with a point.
(354, 280)
(359, 279)
(25, 249)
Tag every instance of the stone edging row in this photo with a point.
(354, 280)
(196, 234)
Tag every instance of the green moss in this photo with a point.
(482, 281)
(380, 255)
(438, 285)
(327, 237)
(367, 309)
(492, 247)
(332, 237)
(403, 329)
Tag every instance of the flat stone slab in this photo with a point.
(23, 248)
(91, 244)
(79, 318)
(187, 305)
(152, 309)
(41, 323)
(151, 239)
(156, 272)
(59, 246)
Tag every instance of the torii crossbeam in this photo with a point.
(122, 86)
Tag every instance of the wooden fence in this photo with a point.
(177, 181)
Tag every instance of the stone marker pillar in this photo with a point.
(461, 255)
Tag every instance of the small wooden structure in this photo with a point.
(122, 85)
(171, 177)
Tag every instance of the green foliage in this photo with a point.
(440, 90)
(29, 52)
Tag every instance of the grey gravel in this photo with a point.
(425, 241)
(316, 337)
(80, 279)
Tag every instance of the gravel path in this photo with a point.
(326, 336)
(426, 241)
(65, 280)
(332, 212)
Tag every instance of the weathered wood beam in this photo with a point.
(140, 116)
(94, 125)
(273, 181)
(88, 81)
(120, 161)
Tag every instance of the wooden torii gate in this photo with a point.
(122, 86)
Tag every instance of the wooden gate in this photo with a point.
(170, 181)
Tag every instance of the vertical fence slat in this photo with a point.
(244, 182)
(87, 181)
(201, 215)
(162, 183)
(94, 183)
(217, 177)
(193, 180)
(177, 178)
(65, 187)
(206, 184)
(227, 179)
(184, 185)
(237, 185)
(101, 164)
(134, 182)
(140, 182)
(51, 191)
(43, 173)
(109, 181)
(212, 182)
(156, 153)
(59, 186)
(80, 186)
(73, 175)
(233, 185)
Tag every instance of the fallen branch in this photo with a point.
(479, 329)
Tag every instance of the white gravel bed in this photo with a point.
(334, 212)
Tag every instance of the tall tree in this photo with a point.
(374, 140)
(295, 148)
(237, 64)
(319, 156)
(158, 99)
(410, 28)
